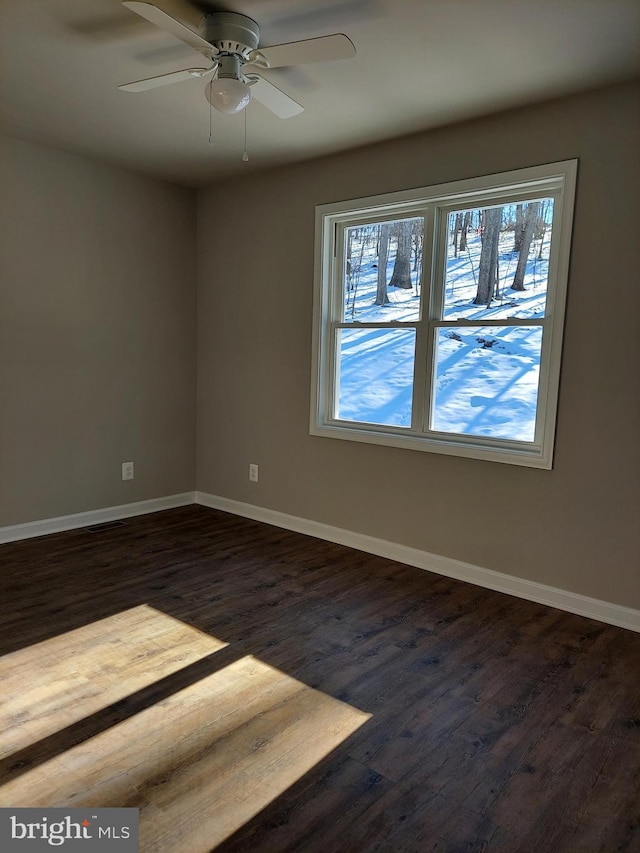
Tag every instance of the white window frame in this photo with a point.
(556, 180)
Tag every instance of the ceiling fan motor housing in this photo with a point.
(231, 33)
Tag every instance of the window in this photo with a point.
(439, 315)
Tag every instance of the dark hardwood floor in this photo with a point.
(252, 689)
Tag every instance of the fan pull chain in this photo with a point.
(245, 153)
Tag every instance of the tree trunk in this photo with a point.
(542, 220)
(416, 242)
(383, 254)
(518, 230)
(456, 231)
(488, 256)
(401, 276)
(530, 218)
(463, 233)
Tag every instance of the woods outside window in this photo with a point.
(439, 315)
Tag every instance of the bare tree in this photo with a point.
(487, 273)
(401, 276)
(418, 245)
(530, 219)
(358, 237)
(457, 226)
(383, 253)
(463, 232)
(541, 227)
(518, 228)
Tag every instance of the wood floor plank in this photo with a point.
(74, 674)
(252, 689)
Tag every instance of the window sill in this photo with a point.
(527, 455)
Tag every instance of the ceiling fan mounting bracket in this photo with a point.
(231, 33)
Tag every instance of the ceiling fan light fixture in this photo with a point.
(228, 95)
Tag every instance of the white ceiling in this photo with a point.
(419, 64)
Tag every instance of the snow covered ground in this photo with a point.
(486, 377)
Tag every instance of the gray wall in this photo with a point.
(98, 361)
(97, 334)
(575, 527)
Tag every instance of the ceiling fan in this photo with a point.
(231, 43)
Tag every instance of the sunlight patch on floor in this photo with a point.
(199, 763)
(51, 685)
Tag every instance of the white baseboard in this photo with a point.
(582, 605)
(14, 532)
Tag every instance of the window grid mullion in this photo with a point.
(391, 324)
(483, 321)
(424, 376)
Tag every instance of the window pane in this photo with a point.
(381, 275)
(487, 381)
(375, 376)
(498, 261)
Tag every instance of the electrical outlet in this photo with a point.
(127, 470)
(253, 472)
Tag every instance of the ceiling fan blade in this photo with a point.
(170, 25)
(273, 98)
(164, 79)
(320, 49)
